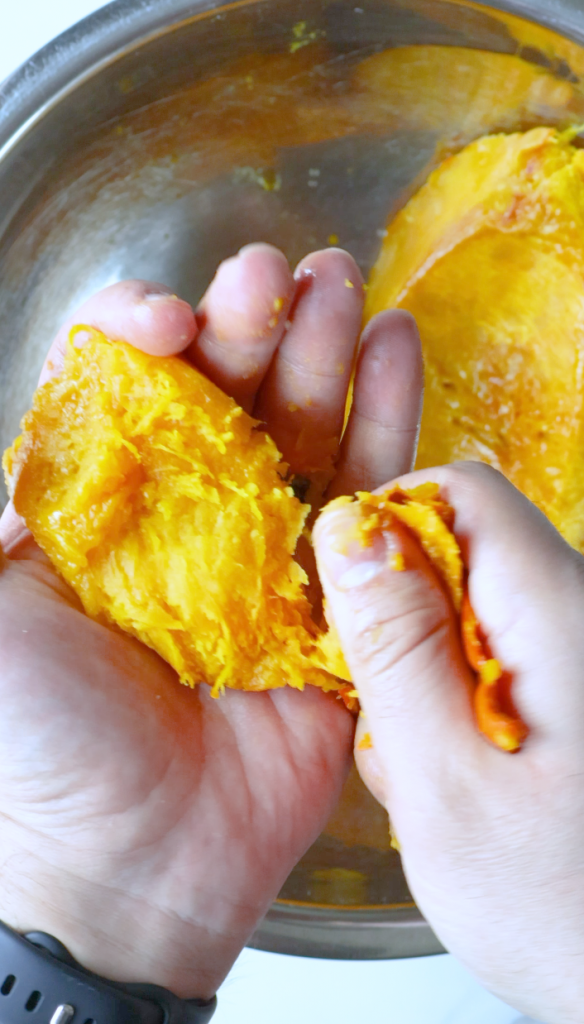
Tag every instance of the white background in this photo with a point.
(264, 988)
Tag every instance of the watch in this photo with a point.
(41, 983)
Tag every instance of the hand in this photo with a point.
(146, 825)
(492, 843)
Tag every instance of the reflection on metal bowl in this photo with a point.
(153, 140)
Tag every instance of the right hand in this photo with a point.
(492, 843)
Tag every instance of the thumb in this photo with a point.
(13, 530)
(401, 642)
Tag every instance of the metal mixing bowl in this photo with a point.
(158, 136)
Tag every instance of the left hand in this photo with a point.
(146, 825)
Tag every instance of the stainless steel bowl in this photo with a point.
(158, 136)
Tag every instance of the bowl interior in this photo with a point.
(303, 123)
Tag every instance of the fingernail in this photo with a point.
(257, 247)
(154, 296)
(304, 274)
(80, 338)
(144, 310)
(347, 562)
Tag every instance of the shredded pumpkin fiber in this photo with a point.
(164, 506)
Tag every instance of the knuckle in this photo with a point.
(387, 640)
(473, 477)
(471, 487)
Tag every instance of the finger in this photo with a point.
(242, 319)
(401, 642)
(142, 313)
(13, 530)
(380, 440)
(302, 400)
(526, 585)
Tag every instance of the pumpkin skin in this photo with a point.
(489, 258)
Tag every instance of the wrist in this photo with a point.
(125, 938)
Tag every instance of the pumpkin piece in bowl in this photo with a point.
(489, 258)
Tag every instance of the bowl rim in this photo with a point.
(122, 25)
(345, 933)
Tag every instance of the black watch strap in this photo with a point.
(41, 982)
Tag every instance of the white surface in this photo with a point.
(264, 988)
(26, 26)
(267, 989)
